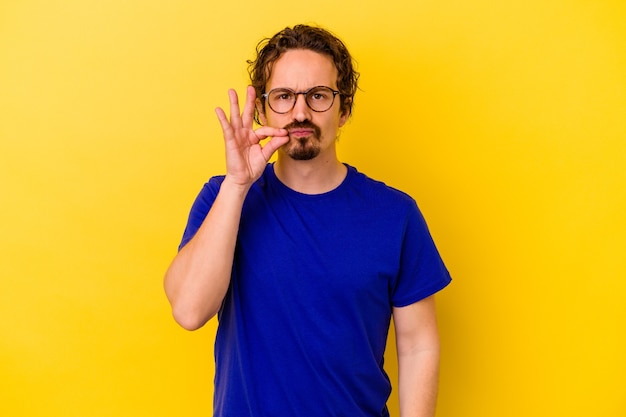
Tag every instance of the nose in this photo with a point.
(301, 110)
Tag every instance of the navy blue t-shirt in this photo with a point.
(303, 327)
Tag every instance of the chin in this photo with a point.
(303, 151)
(303, 156)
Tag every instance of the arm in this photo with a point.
(198, 277)
(417, 344)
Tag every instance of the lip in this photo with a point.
(301, 132)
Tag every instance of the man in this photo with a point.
(305, 260)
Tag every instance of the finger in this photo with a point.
(266, 131)
(272, 146)
(235, 118)
(224, 122)
(248, 110)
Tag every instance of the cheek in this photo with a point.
(330, 129)
(274, 120)
(336, 122)
(261, 112)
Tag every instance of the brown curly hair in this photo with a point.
(312, 38)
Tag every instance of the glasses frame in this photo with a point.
(296, 94)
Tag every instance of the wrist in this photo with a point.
(234, 187)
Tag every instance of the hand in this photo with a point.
(245, 157)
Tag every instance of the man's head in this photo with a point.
(309, 38)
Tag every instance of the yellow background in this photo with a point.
(504, 119)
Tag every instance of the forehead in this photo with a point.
(301, 69)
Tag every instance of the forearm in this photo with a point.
(417, 345)
(198, 278)
(418, 379)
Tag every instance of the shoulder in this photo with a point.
(378, 192)
(212, 186)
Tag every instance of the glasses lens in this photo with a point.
(320, 98)
(281, 100)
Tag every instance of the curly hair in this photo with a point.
(312, 38)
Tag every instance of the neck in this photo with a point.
(316, 176)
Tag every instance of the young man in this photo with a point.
(306, 260)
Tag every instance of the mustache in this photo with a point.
(304, 125)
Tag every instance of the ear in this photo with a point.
(261, 112)
(343, 118)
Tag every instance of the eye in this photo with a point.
(319, 95)
(282, 95)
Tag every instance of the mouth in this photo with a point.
(301, 133)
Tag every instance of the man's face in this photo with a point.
(310, 133)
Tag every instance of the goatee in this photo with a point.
(303, 148)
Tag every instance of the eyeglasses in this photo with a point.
(283, 100)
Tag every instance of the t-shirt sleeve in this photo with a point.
(200, 208)
(422, 271)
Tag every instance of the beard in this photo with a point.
(303, 148)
